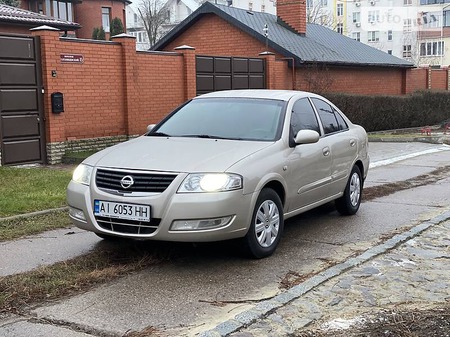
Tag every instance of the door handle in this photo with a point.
(352, 142)
(326, 151)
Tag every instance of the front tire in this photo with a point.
(349, 203)
(267, 225)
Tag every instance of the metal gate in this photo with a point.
(21, 109)
(223, 73)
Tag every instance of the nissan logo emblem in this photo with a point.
(127, 182)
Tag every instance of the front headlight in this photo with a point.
(82, 174)
(210, 182)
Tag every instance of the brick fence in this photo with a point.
(113, 95)
(116, 91)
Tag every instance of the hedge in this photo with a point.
(377, 113)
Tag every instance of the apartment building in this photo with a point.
(433, 42)
(415, 30)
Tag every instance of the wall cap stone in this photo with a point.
(124, 35)
(184, 47)
(45, 27)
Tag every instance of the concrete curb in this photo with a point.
(27, 215)
(264, 308)
(440, 139)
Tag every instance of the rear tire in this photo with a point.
(267, 225)
(349, 203)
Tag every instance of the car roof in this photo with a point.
(283, 95)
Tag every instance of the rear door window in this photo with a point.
(327, 116)
(342, 123)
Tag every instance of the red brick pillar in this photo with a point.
(429, 77)
(406, 74)
(445, 68)
(131, 93)
(190, 82)
(55, 124)
(270, 68)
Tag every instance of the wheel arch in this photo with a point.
(360, 165)
(279, 189)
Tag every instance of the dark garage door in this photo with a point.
(21, 113)
(224, 73)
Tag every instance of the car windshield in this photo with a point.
(225, 118)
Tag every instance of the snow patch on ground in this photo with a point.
(342, 324)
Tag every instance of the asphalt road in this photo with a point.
(177, 296)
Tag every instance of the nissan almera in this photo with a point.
(225, 165)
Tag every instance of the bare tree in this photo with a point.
(319, 14)
(153, 14)
(318, 77)
(411, 50)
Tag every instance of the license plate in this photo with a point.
(122, 210)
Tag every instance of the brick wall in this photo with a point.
(372, 81)
(89, 15)
(427, 78)
(439, 79)
(114, 93)
(161, 87)
(416, 79)
(93, 91)
(284, 79)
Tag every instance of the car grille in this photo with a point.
(143, 182)
(128, 226)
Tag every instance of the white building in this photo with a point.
(434, 40)
(136, 28)
(408, 29)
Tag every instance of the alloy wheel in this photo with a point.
(267, 223)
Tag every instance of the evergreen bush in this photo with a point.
(378, 113)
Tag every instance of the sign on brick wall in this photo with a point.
(71, 58)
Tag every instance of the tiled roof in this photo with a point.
(318, 45)
(20, 16)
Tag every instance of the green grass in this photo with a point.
(16, 228)
(24, 190)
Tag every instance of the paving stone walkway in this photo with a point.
(413, 274)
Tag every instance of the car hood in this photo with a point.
(176, 154)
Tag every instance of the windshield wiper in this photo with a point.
(204, 136)
(158, 134)
(212, 137)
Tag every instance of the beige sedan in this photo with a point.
(225, 165)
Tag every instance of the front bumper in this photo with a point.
(167, 207)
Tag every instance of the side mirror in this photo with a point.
(307, 137)
(150, 127)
